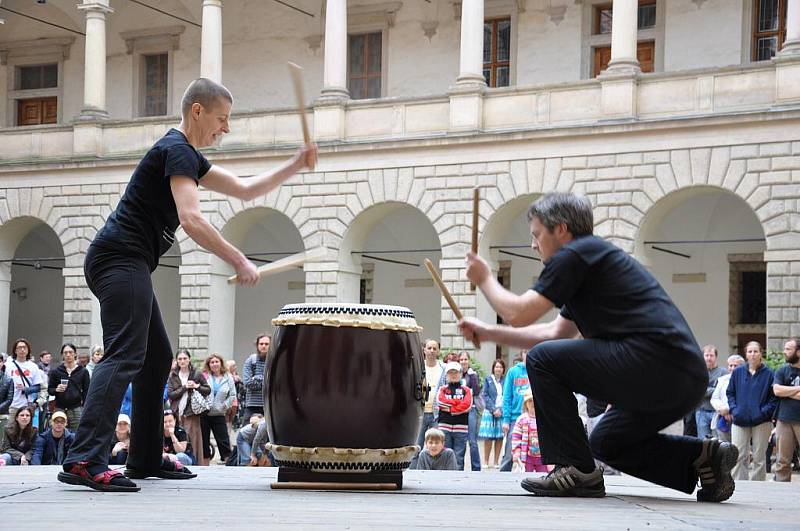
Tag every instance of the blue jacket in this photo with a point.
(514, 393)
(490, 393)
(750, 397)
(45, 450)
(127, 400)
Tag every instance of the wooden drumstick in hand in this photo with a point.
(476, 199)
(285, 264)
(449, 298)
(296, 72)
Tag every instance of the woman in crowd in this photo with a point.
(122, 435)
(471, 379)
(96, 355)
(69, 383)
(236, 412)
(183, 381)
(16, 447)
(177, 447)
(491, 428)
(223, 392)
(25, 375)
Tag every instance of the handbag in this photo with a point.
(199, 403)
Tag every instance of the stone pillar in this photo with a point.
(791, 46)
(211, 41)
(5, 303)
(783, 295)
(94, 77)
(470, 66)
(624, 28)
(334, 82)
(77, 303)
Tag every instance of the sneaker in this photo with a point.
(567, 481)
(714, 466)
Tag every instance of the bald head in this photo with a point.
(205, 92)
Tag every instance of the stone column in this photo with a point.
(334, 83)
(94, 77)
(5, 303)
(470, 66)
(624, 28)
(791, 46)
(211, 41)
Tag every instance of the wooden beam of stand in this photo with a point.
(476, 199)
(324, 485)
(285, 264)
(446, 294)
(296, 72)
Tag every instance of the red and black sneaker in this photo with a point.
(106, 481)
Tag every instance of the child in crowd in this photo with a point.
(525, 439)
(455, 401)
(435, 456)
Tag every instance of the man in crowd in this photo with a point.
(253, 377)
(629, 327)
(433, 373)
(787, 389)
(705, 412)
(752, 404)
(722, 421)
(51, 447)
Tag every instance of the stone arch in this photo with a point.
(31, 283)
(372, 238)
(697, 241)
(237, 314)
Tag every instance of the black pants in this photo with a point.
(219, 426)
(649, 388)
(136, 349)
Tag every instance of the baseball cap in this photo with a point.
(452, 366)
(123, 418)
(58, 415)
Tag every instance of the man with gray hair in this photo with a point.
(163, 194)
(722, 420)
(630, 328)
(705, 412)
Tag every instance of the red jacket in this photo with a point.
(454, 400)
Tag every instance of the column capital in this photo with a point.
(96, 6)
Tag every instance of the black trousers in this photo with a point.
(136, 349)
(649, 387)
(219, 426)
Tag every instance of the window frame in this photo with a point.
(153, 41)
(591, 40)
(755, 34)
(493, 65)
(142, 84)
(383, 61)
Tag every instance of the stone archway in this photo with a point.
(706, 246)
(31, 284)
(383, 252)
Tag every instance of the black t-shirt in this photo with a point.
(788, 408)
(609, 295)
(146, 218)
(180, 434)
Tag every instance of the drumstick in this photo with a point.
(284, 264)
(476, 199)
(446, 294)
(296, 72)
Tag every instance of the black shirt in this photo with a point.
(609, 295)
(788, 408)
(180, 434)
(146, 218)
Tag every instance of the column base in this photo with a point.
(791, 50)
(333, 95)
(90, 114)
(469, 82)
(625, 67)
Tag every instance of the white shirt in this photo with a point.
(185, 396)
(498, 385)
(31, 372)
(432, 376)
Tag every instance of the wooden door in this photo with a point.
(36, 111)
(645, 53)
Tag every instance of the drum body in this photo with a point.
(344, 387)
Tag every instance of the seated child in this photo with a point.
(435, 456)
(525, 439)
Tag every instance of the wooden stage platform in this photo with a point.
(224, 498)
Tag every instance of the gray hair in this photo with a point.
(97, 348)
(554, 208)
(205, 92)
(735, 357)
